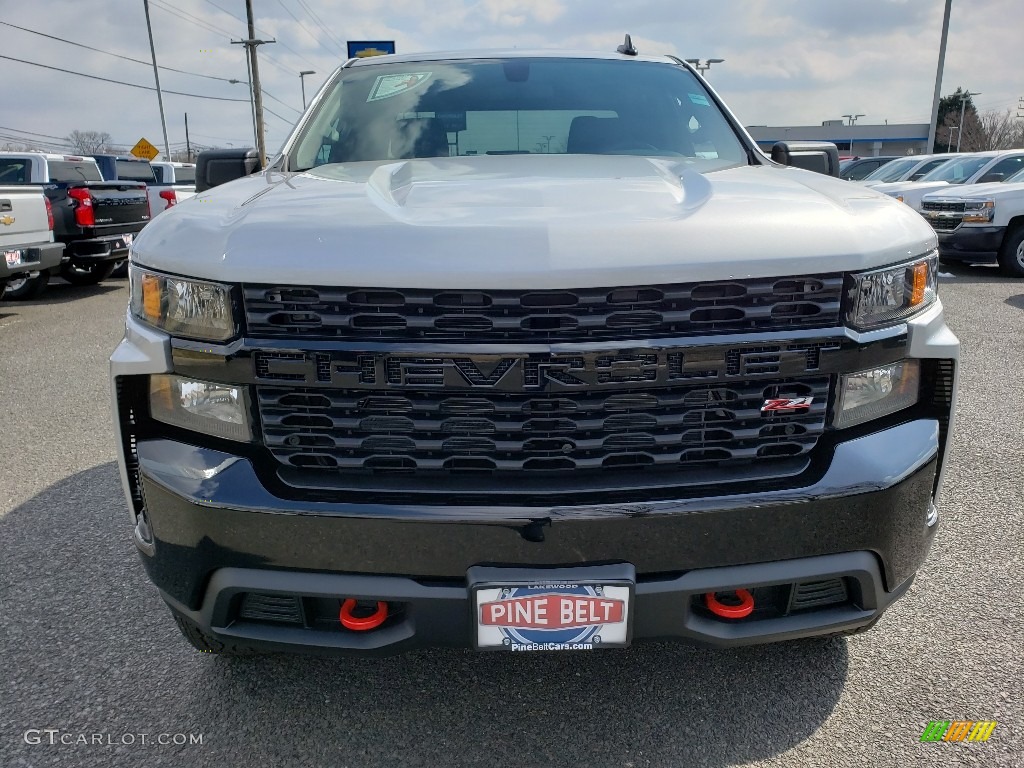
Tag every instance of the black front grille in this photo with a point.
(434, 431)
(943, 207)
(643, 312)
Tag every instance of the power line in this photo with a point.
(264, 32)
(116, 55)
(184, 15)
(119, 82)
(319, 22)
(307, 29)
(31, 133)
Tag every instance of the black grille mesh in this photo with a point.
(544, 316)
(444, 431)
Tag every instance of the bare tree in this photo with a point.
(993, 130)
(89, 142)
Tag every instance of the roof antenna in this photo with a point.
(627, 48)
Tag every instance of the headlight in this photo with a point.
(192, 308)
(220, 410)
(868, 395)
(887, 296)
(979, 211)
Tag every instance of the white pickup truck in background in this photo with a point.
(26, 235)
(973, 168)
(980, 223)
(175, 182)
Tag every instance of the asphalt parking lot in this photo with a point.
(87, 648)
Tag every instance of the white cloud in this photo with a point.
(787, 61)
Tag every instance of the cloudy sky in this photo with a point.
(786, 61)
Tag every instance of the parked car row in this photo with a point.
(95, 205)
(974, 202)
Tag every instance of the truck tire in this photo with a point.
(203, 642)
(1011, 255)
(22, 288)
(87, 274)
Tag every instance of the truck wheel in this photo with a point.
(203, 642)
(1011, 255)
(27, 287)
(87, 274)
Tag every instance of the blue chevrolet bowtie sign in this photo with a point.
(362, 48)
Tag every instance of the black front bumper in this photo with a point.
(217, 532)
(979, 245)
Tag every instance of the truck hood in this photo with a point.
(993, 190)
(537, 221)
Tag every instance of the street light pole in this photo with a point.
(853, 122)
(963, 108)
(702, 68)
(302, 79)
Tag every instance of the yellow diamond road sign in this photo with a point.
(145, 150)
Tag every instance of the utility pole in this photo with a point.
(188, 145)
(156, 74)
(963, 108)
(254, 78)
(938, 77)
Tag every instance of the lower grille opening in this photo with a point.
(780, 600)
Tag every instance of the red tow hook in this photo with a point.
(730, 610)
(362, 623)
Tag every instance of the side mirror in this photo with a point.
(990, 177)
(818, 156)
(218, 166)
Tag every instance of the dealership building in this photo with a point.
(860, 140)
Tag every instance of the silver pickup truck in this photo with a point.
(26, 235)
(530, 352)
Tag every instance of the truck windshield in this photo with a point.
(958, 171)
(517, 106)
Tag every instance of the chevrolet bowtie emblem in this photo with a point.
(6, 220)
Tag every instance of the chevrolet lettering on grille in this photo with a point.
(540, 372)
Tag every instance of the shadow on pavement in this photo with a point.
(59, 292)
(87, 646)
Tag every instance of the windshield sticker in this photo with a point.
(392, 85)
(700, 99)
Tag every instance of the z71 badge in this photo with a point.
(786, 405)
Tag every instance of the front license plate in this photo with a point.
(13, 258)
(553, 615)
(128, 239)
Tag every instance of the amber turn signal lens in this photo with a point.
(151, 297)
(920, 284)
